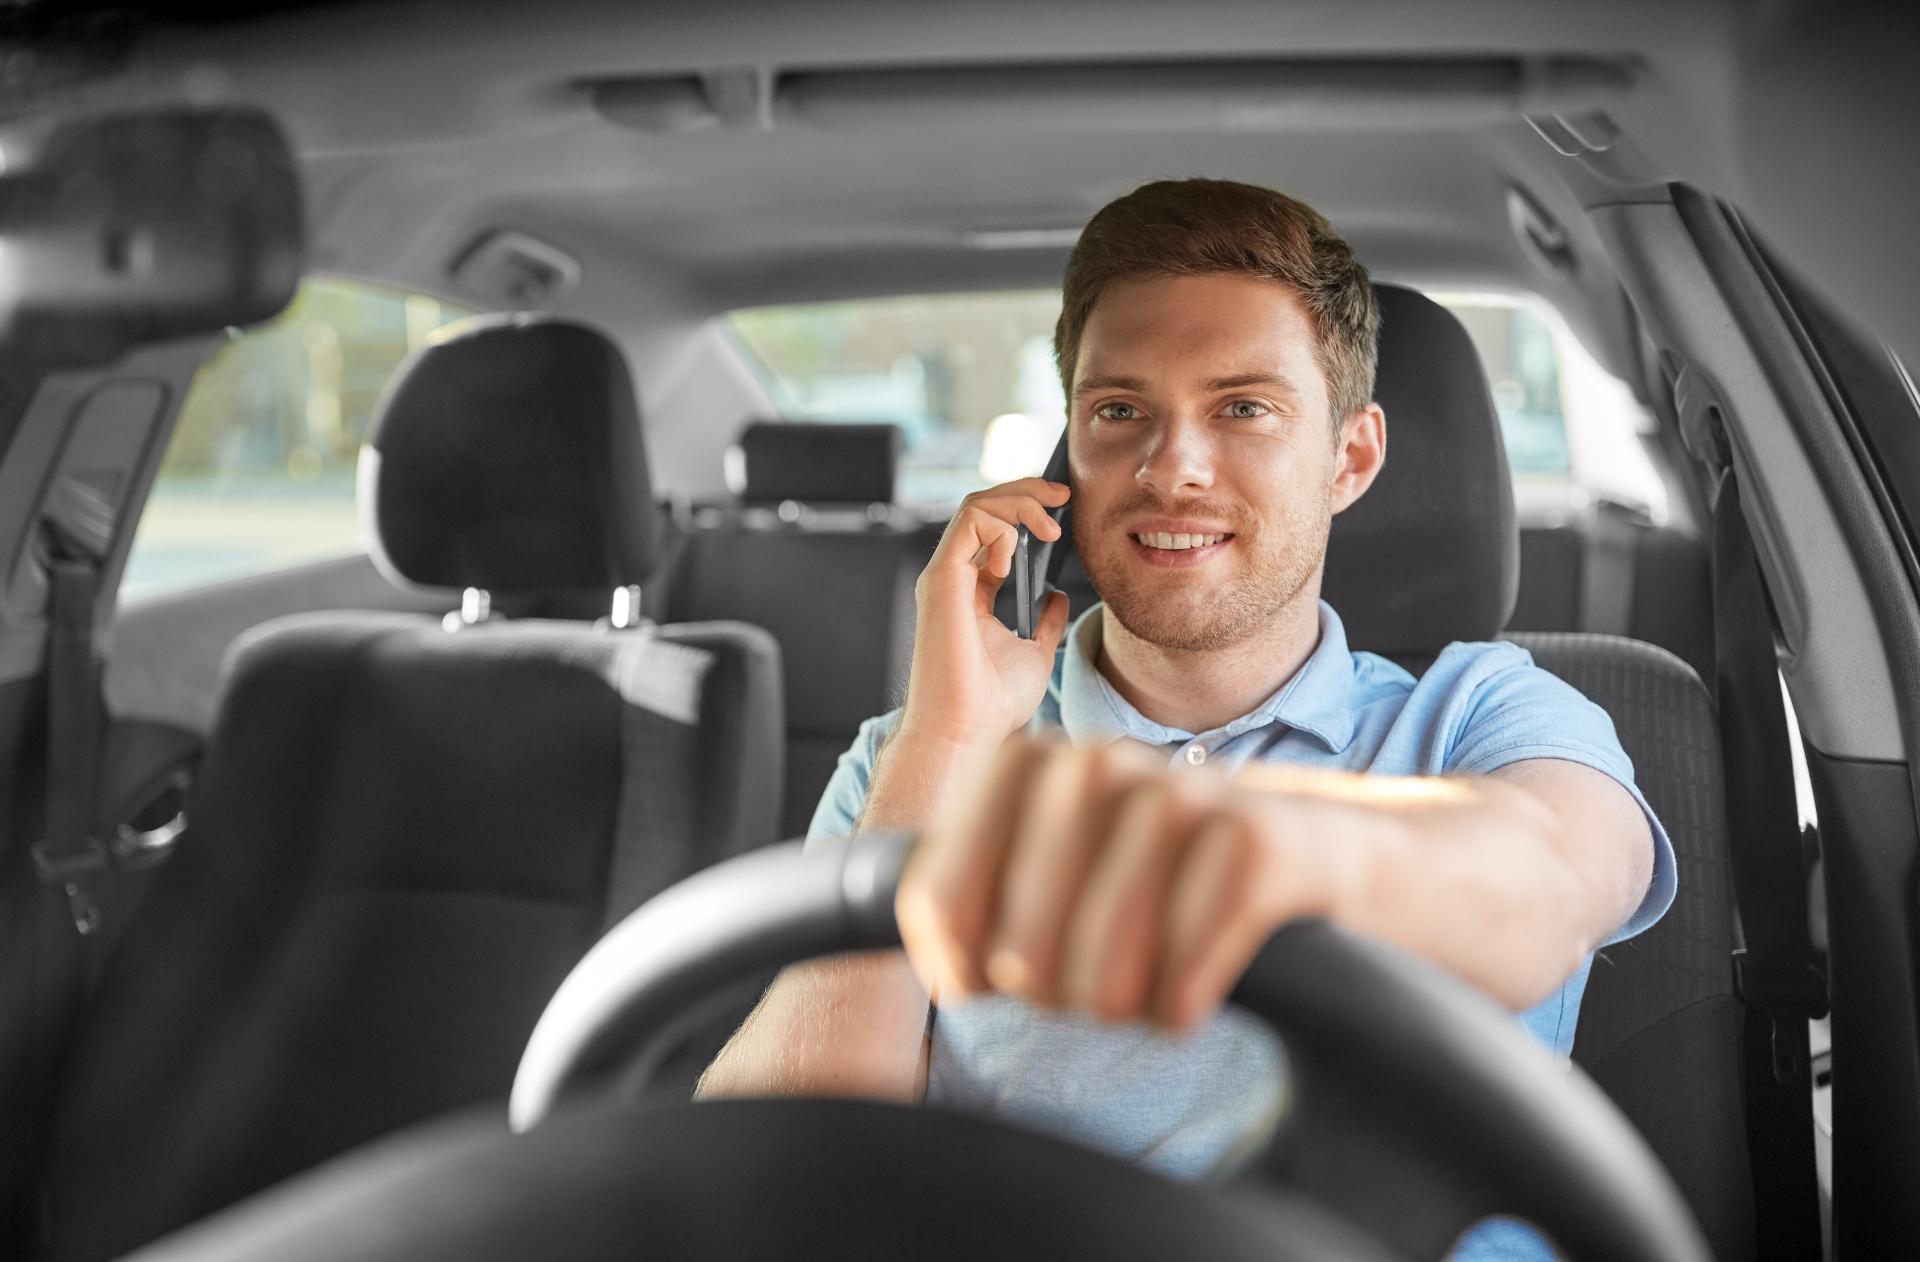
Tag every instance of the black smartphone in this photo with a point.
(1037, 562)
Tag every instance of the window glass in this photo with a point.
(259, 472)
(970, 379)
(1523, 369)
(1571, 428)
(942, 367)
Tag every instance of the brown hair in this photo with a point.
(1195, 227)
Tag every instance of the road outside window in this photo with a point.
(259, 473)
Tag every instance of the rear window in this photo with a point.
(970, 380)
(946, 368)
(259, 472)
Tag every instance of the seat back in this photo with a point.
(1660, 1025)
(832, 582)
(407, 832)
(1606, 570)
(399, 853)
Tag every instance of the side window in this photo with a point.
(259, 473)
(1524, 373)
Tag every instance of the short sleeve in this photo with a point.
(1515, 711)
(846, 792)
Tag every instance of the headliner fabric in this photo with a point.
(508, 457)
(403, 840)
(1431, 553)
(1659, 1025)
(819, 462)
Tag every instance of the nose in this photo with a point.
(1179, 459)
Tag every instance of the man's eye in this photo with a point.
(1117, 411)
(1246, 409)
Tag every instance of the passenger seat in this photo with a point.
(406, 832)
(812, 551)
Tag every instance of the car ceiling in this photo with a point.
(851, 148)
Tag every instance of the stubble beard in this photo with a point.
(1186, 612)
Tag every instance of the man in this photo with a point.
(1077, 909)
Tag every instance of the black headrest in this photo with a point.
(1431, 553)
(817, 463)
(507, 456)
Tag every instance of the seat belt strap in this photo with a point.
(78, 529)
(1774, 974)
(1776, 970)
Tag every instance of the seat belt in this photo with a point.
(78, 530)
(70, 860)
(1775, 975)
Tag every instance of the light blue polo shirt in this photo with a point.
(1194, 1105)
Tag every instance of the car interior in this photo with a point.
(402, 749)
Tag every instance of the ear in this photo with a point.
(1361, 453)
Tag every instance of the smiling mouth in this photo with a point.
(1164, 542)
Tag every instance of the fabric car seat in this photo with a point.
(807, 552)
(1430, 555)
(406, 833)
(1607, 569)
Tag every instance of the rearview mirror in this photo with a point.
(137, 227)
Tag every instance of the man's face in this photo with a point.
(1198, 409)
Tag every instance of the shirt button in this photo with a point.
(1196, 754)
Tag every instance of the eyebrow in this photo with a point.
(1241, 381)
(1238, 381)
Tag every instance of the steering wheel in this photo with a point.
(1416, 1107)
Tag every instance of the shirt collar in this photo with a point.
(1317, 700)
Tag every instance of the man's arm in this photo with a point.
(856, 1025)
(1154, 906)
(852, 1025)
(1507, 879)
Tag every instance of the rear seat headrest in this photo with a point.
(816, 463)
(1431, 553)
(507, 456)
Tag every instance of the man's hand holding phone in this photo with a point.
(856, 1025)
(974, 681)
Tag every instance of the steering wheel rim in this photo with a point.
(1417, 1105)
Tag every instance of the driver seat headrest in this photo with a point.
(507, 456)
(1431, 553)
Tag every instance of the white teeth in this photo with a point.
(1177, 543)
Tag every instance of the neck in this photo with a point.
(1197, 690)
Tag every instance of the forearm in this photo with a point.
(851, 1025)
(1473, 873)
